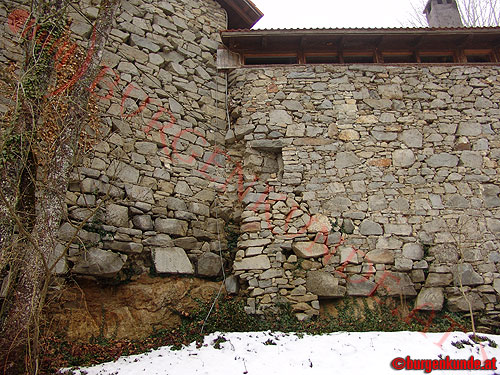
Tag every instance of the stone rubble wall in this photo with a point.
(147, 205)
(369, 181)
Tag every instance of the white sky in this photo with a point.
(335, 13)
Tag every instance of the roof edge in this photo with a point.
(242, 14)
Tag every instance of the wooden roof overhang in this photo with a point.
(241, 13)
(303, 41)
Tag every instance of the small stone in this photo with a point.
(370, 228)
(117, 215)
(430, 299)
(171, 226)
(308, 250)
(403, 158)
(210, 265)
(465, 275)
(231, 284)
(100, 263)
(143, 222)
(324, 284)
(172, 260)
(380, 257)
(346, 160)
(413, 251)
(442, 160)
(349, 135)
(260, 262)
(358, 285)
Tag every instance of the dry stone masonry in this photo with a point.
(360, 180)
(370, 180)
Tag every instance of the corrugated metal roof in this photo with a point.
(347, 29)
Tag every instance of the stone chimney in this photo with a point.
(443, 13)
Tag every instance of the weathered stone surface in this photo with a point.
(496, 286)
(319, 223)
(279, 116)
(459, 303)
(412, 138)
(394, 284)
(442, 160)
(324, 284)
(307, 250)
(370, 228)
(139, 193)
(430, 299)
(232, 285)
(464, 274)
(100, 263)
(380, 257)
(491, 195)
(403, 158)
(346, 160)
(143, 222)
(117, 215)
(358, 285)
(413, 251)
(260, 262)
(172, 226)
(172, 260)
(438, 279)
(209, 265)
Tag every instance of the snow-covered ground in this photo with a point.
(270, 353)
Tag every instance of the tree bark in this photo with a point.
(20, 326)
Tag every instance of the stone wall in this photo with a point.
(369, 181)
(145, 203)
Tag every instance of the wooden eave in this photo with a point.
(242, 14)
(331, 40)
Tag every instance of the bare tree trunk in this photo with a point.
(20, 325)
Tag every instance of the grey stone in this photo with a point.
(260, 262)
(442, 160)
(490, 195)
(430, 299)
(471, 159)
(171, 226)
(172, 260)
(139, 193)
(210, 265)
(160, 240)
(183, 188)
(403, 264)
(398, 229)
(176, 204)
(412, 138)
(469, 129)
(324, 284)
(346, 160)
(377, 203)
(100, 263)
(293, 105)
(232, 285)
(143, 222)
(413, 251)
(144, 43)
(370, 228)
(390, 91)
(459, 303)
(496, 285)
(358, 285)
(379, 103)
(384, 136)
(124, 247)
(380, 257)
(394, 284)
(67, 233)
(308, 250)
(117, 215)
(269, 145)
(296, 130)
(438, 279)
(279, 117)
(403, 158)
(464, 274)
